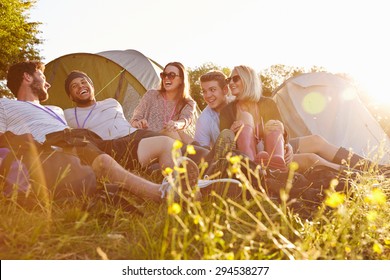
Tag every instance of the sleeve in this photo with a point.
(188, 113)
(3, 123)
(140, 111)
(202, 134)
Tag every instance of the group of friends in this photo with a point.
(237, 117)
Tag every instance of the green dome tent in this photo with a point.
(123, 75)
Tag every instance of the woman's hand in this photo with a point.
(171, 126)
(236, 126)
(142, 124)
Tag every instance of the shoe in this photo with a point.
(203, 183)
(274, 146)
(277, 174)
(165, 188)
(184, 181)
(262, 158)
(225, 187)
(218, 168)
(225, 143)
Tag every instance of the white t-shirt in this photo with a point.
(105, 118)
(22, 117)
(207, 128)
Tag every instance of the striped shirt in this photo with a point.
(22, 117)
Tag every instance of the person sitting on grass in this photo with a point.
(170, 110)
(47, 125)
(129, 146)
(307, 151)
(106, 118)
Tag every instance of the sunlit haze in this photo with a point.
(342, 36)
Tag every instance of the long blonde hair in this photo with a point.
(252, 86)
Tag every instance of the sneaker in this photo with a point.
(225, 187)
(166, 188)
(225, 143)
(185, 181)
(203, 183)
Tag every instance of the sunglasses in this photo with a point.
(235, 79)
(170, 75)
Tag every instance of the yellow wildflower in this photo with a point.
(168, 171)
(230, 256)
(372, 215)
(177, 145)
(234, 169)
(372, 227)
(197, 219)
(174, 209)
(376, 197)
(347, 249)
(335, 199)
(235, 159)
(294, 166)
(191, 150)
(377, 248)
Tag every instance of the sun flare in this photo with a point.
(374, 87)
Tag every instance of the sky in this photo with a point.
(341, 35)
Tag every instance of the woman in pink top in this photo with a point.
(169, 110)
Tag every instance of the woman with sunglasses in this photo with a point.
(169, 110)
(255, 120)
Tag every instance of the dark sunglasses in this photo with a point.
(235, 79)
(170, 75)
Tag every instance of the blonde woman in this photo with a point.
(262, 136)
(256, 120)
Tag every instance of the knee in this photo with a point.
(273, 125)
(102, 164)
(167, 143)
(246, 118)
(318, 140)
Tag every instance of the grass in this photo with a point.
(352, 225)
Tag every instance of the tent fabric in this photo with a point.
(329, 105)
(121, 74)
